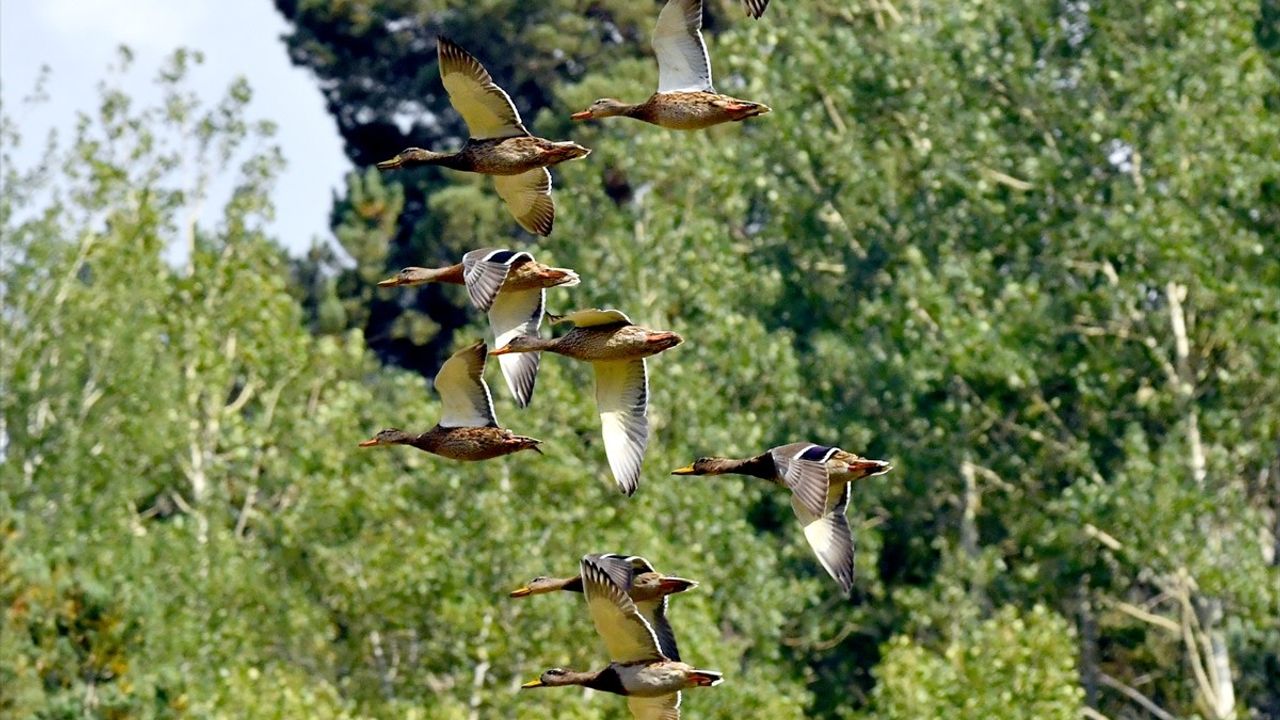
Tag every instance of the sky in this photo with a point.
(77, 39)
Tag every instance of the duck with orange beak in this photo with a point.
(616, 349)
(818, 478)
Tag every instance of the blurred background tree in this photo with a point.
(1029, 253)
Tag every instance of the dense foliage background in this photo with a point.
(1028, 252)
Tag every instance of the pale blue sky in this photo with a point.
(77, 39)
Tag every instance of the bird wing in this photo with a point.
(485, 107)
(831, 539)
(463, 392)
(803, 469)
(593, 318)
(622, 396)
(755, 8)
(485, 270)
(627, 635)
(663, 707)
(528, 197)
(512, 314)
(655, 611)
(683, 65)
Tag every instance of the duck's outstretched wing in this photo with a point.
(622, 397)
(627, 635)
(593, 317)
(803, 469)
(528, 197)
(463, 392)
(485, 270)
(513, 314)
(831, 539)
(485, 107)
(683, 65)
(664, 707)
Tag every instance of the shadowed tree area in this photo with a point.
(1028, 253)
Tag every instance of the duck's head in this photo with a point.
(703, 466)
(604, 107)
(538, 586)
(519, 344)
(389, 436)
(408, 277)
(652, 584)
(552, 678)
(409, 156)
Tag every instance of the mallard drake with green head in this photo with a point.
(650, 680)
(818, 478)
(616, 349)
(467, 429)
(646, 587)
(686, 99)
(499, 144)
(511, 287)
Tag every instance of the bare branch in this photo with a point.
(1147, 703)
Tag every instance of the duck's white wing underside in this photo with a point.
(627, 635)
(528, 197)
(464, 395)
(665, 707)
(830, 537)
(622, 395)
(803, 467)
(512, 314)
(683, 65)
(485, 270)
(485, 107)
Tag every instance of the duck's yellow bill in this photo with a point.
(531, 684)
(521, 592)
(686, 470)
(389, 282)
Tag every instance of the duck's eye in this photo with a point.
(540, 578)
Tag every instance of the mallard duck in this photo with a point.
(685, 100)
(647, 587)
(511, 287)
(467, 429)
(616, 349)
(639, 670)
(499, 145)
(818, 478)
(755, 8)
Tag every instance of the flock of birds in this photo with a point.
(626, 597)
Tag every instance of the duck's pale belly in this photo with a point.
(654, 680)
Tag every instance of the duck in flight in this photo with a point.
(651, 681)
(467, 429)
(686, 99)
(647, 587)
(511, 287)
(818, 478)
(616, 349)
(499, 144)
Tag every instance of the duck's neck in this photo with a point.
(451, 274)
(760, 466)
(606, 680)
(538, 344)
(573, 584)
(429, 157)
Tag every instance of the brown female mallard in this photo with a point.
(511, 287)
(499, 145)
(616, 349)
(649, 679)
(818, 478)
(647, 587)
(467, 429)
(686, 99)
